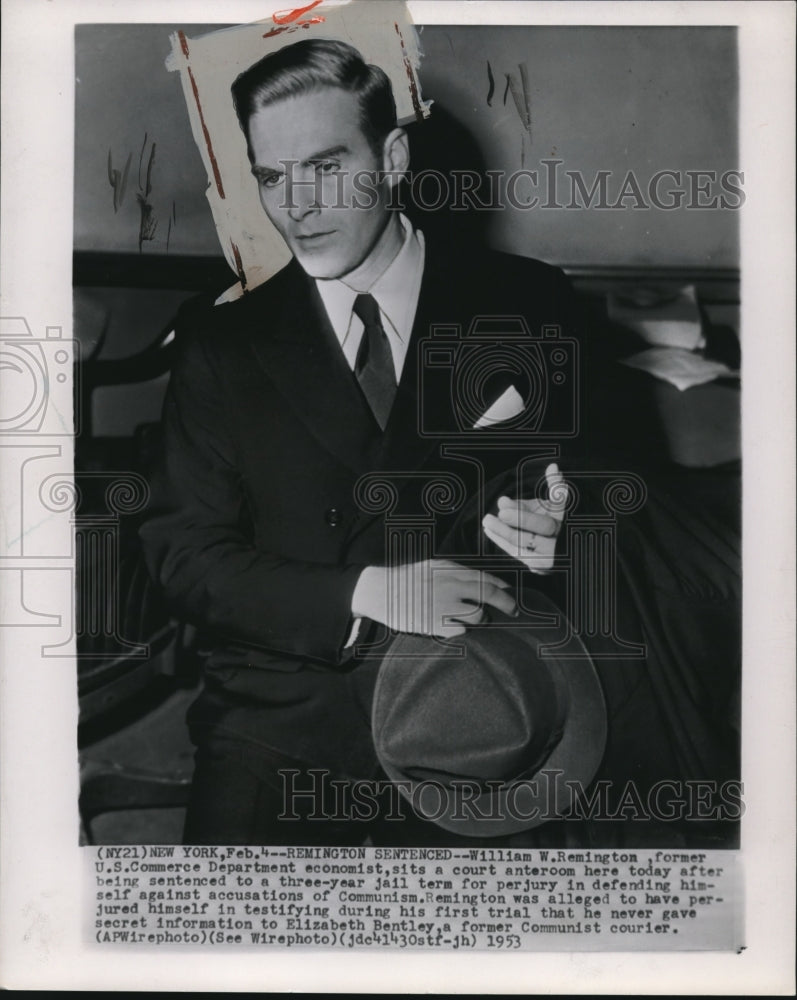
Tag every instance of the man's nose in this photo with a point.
(303, 194)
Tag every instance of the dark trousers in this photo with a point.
(246, 794)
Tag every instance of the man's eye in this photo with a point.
(327, 167)
(270, 180)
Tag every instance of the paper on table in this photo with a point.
(660, 316)
(681, 368)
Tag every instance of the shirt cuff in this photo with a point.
(355, 631)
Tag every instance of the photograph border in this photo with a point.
(45, 900)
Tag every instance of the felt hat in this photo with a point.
(499, 737)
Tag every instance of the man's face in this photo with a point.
(316, 175)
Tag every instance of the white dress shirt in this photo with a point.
(396, 292)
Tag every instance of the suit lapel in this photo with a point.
(301, 356)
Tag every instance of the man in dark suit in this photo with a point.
(293, 416)
(275, 411)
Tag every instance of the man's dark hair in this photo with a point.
(308, 66)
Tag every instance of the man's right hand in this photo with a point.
(436, 597)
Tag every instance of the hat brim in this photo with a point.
(527, 800)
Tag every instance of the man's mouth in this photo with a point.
(310, 238)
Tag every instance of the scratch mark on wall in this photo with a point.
(172, 222)
(148, 223)
(491, 87)
(520, 100)
(117, 180)
(524, 81)
(147, 187)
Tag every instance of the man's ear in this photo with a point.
(395, 156)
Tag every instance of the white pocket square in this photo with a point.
(509, 404)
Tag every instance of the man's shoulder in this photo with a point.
(517, 266)
(477, 261)
(206, 310)
(483, 279)
(204, 320)
(513, 268)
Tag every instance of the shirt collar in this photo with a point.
(389, 290)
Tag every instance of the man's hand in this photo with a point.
(528, 529)
(436, 597)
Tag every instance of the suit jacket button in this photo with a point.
(333, 517)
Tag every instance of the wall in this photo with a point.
(124, 94)
(616, 99)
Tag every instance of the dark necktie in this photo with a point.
(374, 366)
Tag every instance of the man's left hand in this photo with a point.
(528, 529)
